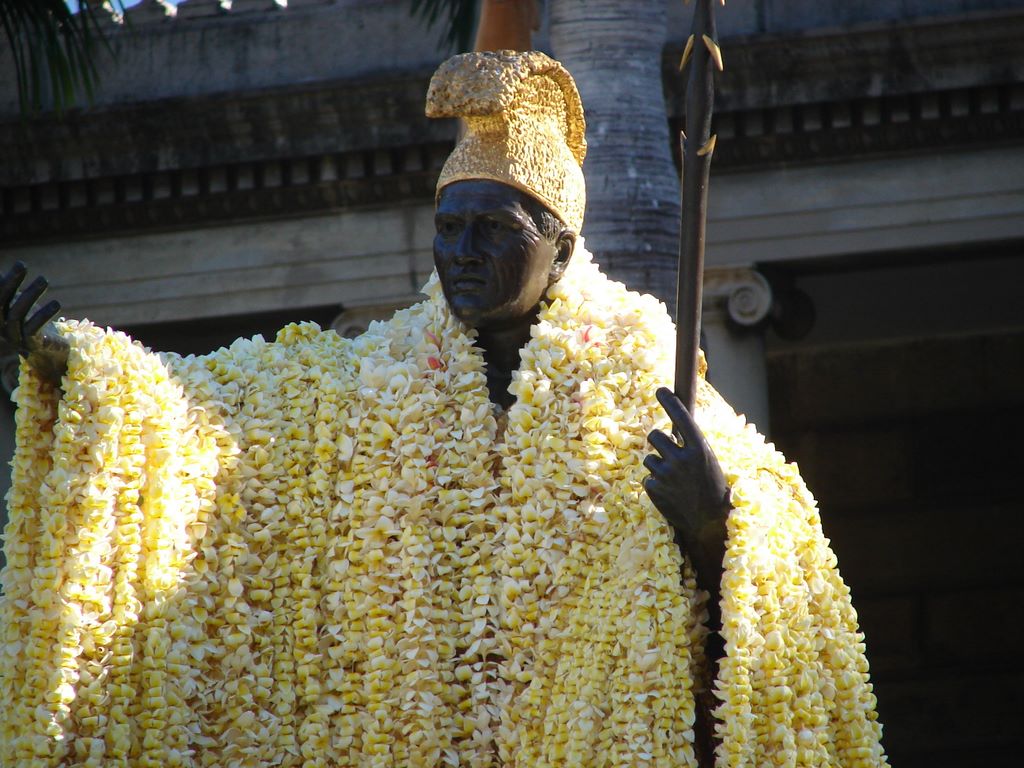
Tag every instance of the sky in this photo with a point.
(73, 4)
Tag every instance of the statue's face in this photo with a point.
(494, 264)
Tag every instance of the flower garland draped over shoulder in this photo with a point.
(319, 551)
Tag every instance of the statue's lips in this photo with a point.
(468, 283)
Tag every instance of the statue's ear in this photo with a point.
(564, 245)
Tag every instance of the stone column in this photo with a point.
(737, 301)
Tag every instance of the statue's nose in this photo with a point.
(465, 250)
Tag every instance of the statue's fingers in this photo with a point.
(654, 464)
(19, 309)
(662, 443)
(9, 285)
(40, 318)
(682, 421)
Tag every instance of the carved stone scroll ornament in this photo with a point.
(742, 292)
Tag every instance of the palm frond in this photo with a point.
(54, 48)
(457, 19)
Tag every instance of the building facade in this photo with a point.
(244, 168)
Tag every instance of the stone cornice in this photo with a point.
(857, 128)
(877, 60)
(176, 206)
(876, 89)
(316, 148)
(256, 126)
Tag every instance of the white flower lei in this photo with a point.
(328, 552)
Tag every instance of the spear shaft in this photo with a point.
(697, 146)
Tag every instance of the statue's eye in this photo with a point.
(448, 228)
(494, 227)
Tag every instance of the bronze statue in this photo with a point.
(429, 544)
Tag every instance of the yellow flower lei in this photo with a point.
(330, 552)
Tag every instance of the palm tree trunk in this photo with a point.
(613, 50)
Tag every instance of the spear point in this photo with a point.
(686, 53)
(715, 51)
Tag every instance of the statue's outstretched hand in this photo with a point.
(687, 486)
(27, 332)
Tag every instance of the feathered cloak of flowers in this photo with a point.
(321, 552)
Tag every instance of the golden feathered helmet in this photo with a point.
(524, 126)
